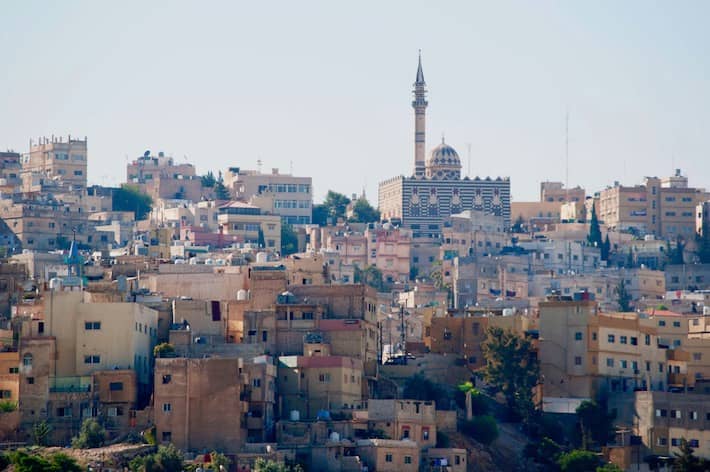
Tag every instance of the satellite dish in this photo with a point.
(146, 154)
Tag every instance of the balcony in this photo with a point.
(677, 355)
(72, 384)
(677, 380)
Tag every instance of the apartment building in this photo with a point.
(57, 159)
(556, 192)
(161, 177)
(319, 383)
(664, 418)
(412, 420)
(389, 455)
(285, 195)
(583, 352)
(389, 249)
(242, 223)
(10, 171)
(664, 207)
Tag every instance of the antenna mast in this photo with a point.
(567, 155)
(468, 172)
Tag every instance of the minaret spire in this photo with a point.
(419, 104)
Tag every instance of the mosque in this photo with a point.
(436, 189)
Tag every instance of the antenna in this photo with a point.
(567, 155)
(291, 167)
(258, 164)
(468, 171)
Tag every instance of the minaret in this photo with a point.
(419, 104)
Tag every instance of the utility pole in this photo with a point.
(403, 333)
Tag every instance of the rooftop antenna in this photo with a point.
(468, 172)
(291, 166)
(258, 165)
(567, 155)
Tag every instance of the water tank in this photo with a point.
(209, 262)
(55, 284)
(220, 262)
(261, 257)
(295, 415)
(242, 295)
(508, 312)
(334, 436)
(179, 261)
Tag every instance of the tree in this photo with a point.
(512, 367)
(40, 431)
(334, 206)
(418, 387)
(164, 350)
(483, 429)
(371, 276)
(208, 180)
(606, 248)
(220, 191)
(91, 435)
(64, 463)
(289, 240)
(166, 459)
(686, 461)
(623, 297)
(578, 461)
(218, 461)
(609, 468)
(702, 239)
(475, 403)
(596, 425)
(595, 233)
(23, 461)
(319, 215)
(363, 212)
(130, 198)
(263, 465)
(544, 452)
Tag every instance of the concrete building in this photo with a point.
(389, 455)
(246, 224)
(160, 177)
(285, 195)
(664, 207)
(59, 160)
(411, 420)
(310, 385)
(556, 192)
(389, 249)
(436, 189)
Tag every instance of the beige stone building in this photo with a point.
(160, 177)
(57, 159)
(285, 195)
(556, 192)
(245, 224)
(312, 384)
(389, 455)
(665, 207)
(411, 420)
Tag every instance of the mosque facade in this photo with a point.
(436, 189)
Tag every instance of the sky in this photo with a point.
(325, 88)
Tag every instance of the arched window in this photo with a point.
(27, 360)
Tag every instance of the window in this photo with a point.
(92, 325)
(5, 394)
(697, 356)
(407, 459)
(693, 415)
(64, 412)
(115, 411)
(693, 443)
(662, 441)
(676, 414)
(27, 360)
(324, 378)
(116, 386)
(610, 338)
(623, 339)
(675, 442)
(92, 359)
(167, 407)
(647, 340)
(676, 324)
(624, 364)
(578, 336)
(256, 383)
(388, 457)
(594, 336)
(476, 328)
(14, 370)
(578, 360)
(447, 335)
(216, 310)
(648, 366)
(40, 327)
(31, 380)
(661, 413)
(167, 436)
(425, 434)
(634, 341)
(661, 323)
(610, 362)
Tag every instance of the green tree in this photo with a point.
(166, 459)
(319, 215)
(511, 367)
(208, 180)
(418, 387)
(623, 297)
(595, 234)
(334, 206)
(6, 406)
(595, 423)
(220, 191)
(363, 212)
(64, 463)
(473, 397)
(91, 435)
(686, 461)
(609, 468)
(606, 248)
(483, 429)
(289, 240)
(218, 460)
(24, 461)
(578, 461)
(544, 452)
(371, 276)
(263, 465)
(40, 432)
(164, 350)
(130, 198)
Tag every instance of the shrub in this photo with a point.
(6, 406)
(483, 429)
(91, 435)
(578, 461)
(164, 350)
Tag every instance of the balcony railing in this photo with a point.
(70, 384)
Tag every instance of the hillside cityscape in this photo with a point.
(232, 319)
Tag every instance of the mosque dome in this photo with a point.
(443, 163)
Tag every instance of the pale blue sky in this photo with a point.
(327, 85)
